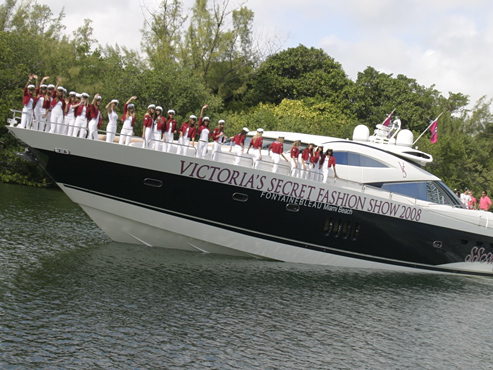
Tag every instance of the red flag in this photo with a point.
(434, 132)
(387, 120)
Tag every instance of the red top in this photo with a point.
(306, 154)
(295, 152)
(124, 117)
(257, 143)
(192, 130)
(239, 139)
(46, 102)
(315, 157)
(215, 134)
(160, 123)
(276, 147)
(203, 127)
(331, 162)
(92, 113)
(27, 96)
(171, 122)
(147, 120)
(55, 101)
(78, 111)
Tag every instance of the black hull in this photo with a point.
(339, 231)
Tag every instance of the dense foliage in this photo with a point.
(208, 55)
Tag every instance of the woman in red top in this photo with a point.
(330, 166)
(28, 102)
(147, 127)
(81, 112)
(315, 159)
(218, 138)
(128, 119)
(239, 141)
(169, 131)
(157, 128)
(256, 143)
(305, 161)
(187, 133)
(95, 117)
(277, 152)
(294, 154)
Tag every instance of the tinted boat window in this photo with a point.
(356, 159)
(431, 191)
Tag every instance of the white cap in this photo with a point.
(85, 95)
(151, 106)
(159, 108)
(193, 117)
(51, 86)
(72, 93)
(205, 119)
(78, 95)
(246, 129)
(99, 97)
(260, 130)
(171, 111)
(31, 87)
(115, 101)
(43, 86)
(131, 105)
(221, 121)
(60, 88)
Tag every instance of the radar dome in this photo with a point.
(405, 138)
(361, 133)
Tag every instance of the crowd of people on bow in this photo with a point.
(50, 108)
(470, 202)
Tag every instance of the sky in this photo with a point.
(445, 43)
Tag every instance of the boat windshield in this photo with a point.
(430, 191)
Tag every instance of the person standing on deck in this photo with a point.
(28, 102)
(256, 143)
(81, 116)
(112, 120)
(305, 161)
(330, 167)
(204, 135)
(68, 124)
(157, 128)
(239, 141)
(95, 118)
(39, 98)
(187, 134)
(169, 131)
(148, 121)
(277, 152)
(295, 165)
(218, 138)
(128, 119)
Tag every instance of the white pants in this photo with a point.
(69, 124)
(41, 120)
(201, 149)
(27, 117)
(110, 132)
(56, 121)
(147, 136)
(295, 168)
(328, 172)
(168, 141)
(238, 152)
(36, 118)
(256, 158)
(93, 129)
(80, 124)
(125, 135)
(183, 144)
(157, 136)
(275, 159)
(216, 148)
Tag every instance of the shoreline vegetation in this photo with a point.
(182, 66)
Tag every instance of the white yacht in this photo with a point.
(383, 211)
